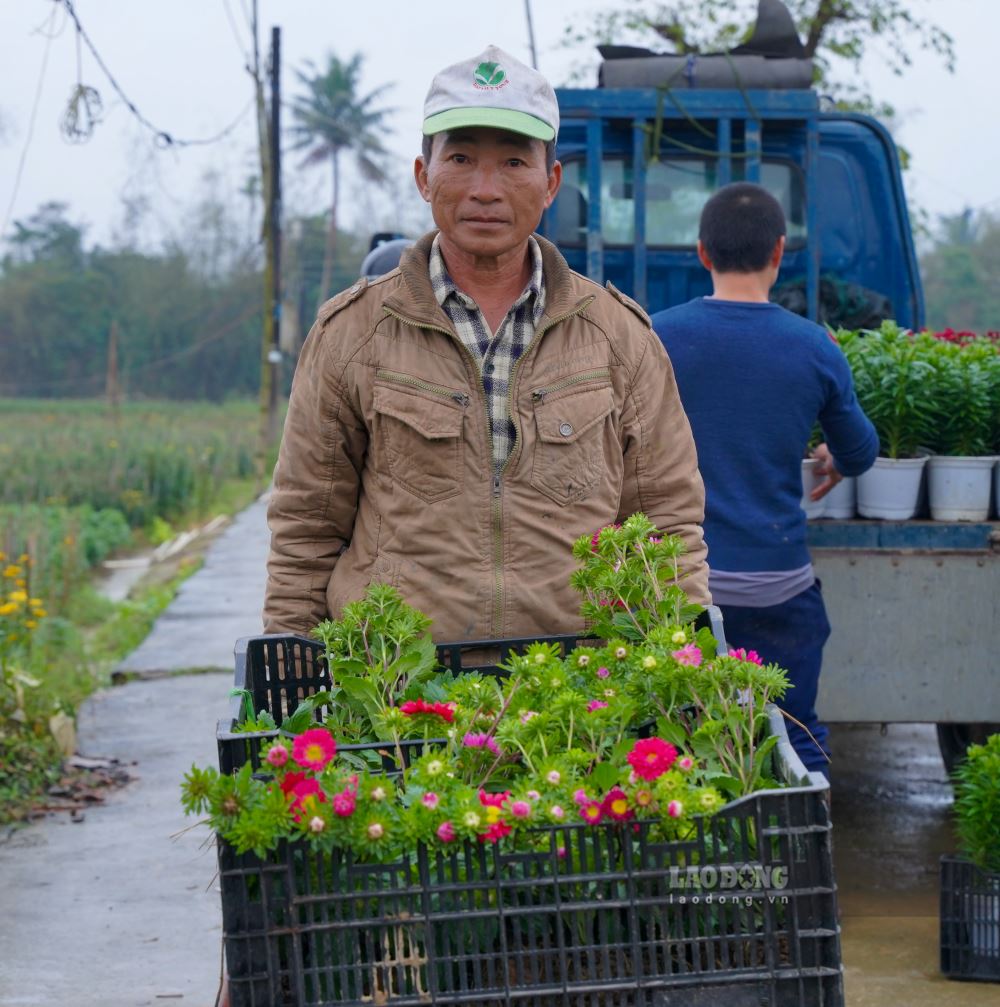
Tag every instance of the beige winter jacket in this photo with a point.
(385, 471)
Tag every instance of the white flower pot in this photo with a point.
(813, 508)
(841, 501)
(959, 487)
(890, 488)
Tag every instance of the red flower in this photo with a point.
(615, 805)
(652, 757)
(291, 781)
(416, 707)
(493, 800)
(314, 748)
(305, 788)
(495, 832)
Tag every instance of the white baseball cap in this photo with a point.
(492, 89)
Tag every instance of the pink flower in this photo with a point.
(580, 796)
(520, 809)
(689, 655)
(603, 672)
(557, 811)
(652, 757)
(675, 809)
(685, 763)
(615, 805)
(344, 803)
(596, 704)
(446, 832)
(745, 655)
(416, 707)
(526, 715)
(277, 756)
(430, 800)
(481, 741)
(561, 852)
(597, 534)
(553, 776)
(314, 748)
(591, 812)
(643, 798)
(316, 824)
(534, 795)
(376, 830)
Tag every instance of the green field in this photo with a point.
(78, 482)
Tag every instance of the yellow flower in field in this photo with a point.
(24, 558)
(30, 623)
(19, 596)
(3, 556)
(12, 571)
(20, 582)
(68, 540)
(39, 613)
(36, 602)
(8, 609)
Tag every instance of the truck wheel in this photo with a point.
(954, 739)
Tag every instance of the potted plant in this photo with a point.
(524, 829)
(970, 886)
(963, 397)
(891, 372)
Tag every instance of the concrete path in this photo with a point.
(118, 910)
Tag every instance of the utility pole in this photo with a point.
(269, 148)
(274, 238)
(531, 34)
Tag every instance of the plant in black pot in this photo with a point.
(970, 885)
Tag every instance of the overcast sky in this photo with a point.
(181, 64)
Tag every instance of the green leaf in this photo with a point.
(604, 775)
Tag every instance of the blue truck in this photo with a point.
(915, 605)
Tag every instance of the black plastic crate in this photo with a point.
(970, 921)
(280, 671)
(621, 919)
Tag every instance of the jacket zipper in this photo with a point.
(405, 379)
(539, 394)
(497, 508)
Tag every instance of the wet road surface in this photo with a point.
(891, 822)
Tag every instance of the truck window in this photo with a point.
(676, 190)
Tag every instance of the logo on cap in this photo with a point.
(489, 76)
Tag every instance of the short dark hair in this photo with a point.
(427, 145)
(740, 225)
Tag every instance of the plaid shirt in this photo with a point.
(495, 354)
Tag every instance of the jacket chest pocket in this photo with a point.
(569, 448)
(418, 429)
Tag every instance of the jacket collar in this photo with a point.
(415, 299)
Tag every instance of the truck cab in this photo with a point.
(639, 164)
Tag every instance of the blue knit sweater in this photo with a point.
(754, 379)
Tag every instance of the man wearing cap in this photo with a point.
(457, 423)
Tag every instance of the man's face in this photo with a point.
(487, 188)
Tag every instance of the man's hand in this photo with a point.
(824, 468)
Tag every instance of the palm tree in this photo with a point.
(330, 119)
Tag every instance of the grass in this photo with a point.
(77, 484)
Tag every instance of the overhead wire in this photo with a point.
(49, 36)
(164, 138)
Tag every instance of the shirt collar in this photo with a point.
(444, 286)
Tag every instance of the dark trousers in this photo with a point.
(790, 635)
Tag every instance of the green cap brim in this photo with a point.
(495, 118)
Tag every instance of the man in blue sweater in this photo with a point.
(754, 379)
